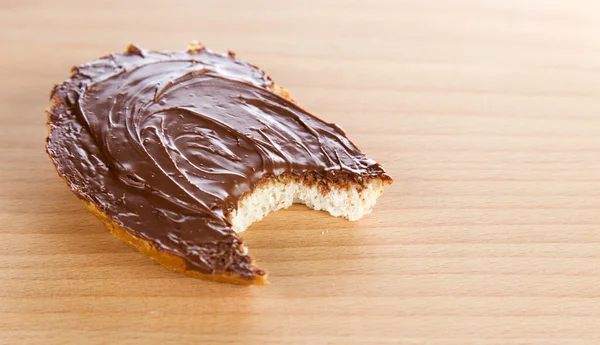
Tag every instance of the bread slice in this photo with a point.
(345, 192)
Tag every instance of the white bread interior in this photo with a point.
(352, 201)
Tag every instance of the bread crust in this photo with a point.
(172, 262)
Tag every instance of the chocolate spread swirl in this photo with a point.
(165, 144)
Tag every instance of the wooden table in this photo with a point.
(487, 113)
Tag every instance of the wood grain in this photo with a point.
(485, 112)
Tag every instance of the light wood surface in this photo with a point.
(487, 113)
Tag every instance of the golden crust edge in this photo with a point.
(172, 262)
